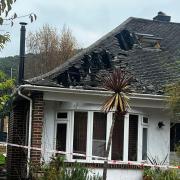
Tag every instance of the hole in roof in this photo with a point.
(95, 62)
(105, 58)
(128, 40)
(62, 79)
(125, 40)
(148, 40)
(74, 75)
(86, 63)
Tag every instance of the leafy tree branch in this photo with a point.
(6, 86)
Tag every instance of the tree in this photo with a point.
(50, 48)
(5, 7)
(5, 19)
(118, 82)
(173, 99)
(6, 86)
(173, 91)
(67, 44)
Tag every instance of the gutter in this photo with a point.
(91, 92)
(30, 127)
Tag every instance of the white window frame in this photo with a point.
(126, 137)
(145, 125)
(72, 137)
(67, 122)
(108, 125)
(138, 137)
(90, 117)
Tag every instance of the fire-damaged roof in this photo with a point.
(148, 49)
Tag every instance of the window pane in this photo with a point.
(61, 115)
(118, 139)
(99, 134)
(80, 134)
(61, 137)
(144, 145)
(174, 135)
(145, 120)
(133, 134)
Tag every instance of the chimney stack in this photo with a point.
(22, 52)
(162, 17)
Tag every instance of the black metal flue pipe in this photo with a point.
(22, 52)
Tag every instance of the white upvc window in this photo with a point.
(61, 129)
(87, 133)
(99, 138)
(133, 137)
(145, 122)
(80, 134)
(62, 133)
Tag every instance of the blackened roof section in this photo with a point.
(152, 67)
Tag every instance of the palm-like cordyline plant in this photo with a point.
(117, 82)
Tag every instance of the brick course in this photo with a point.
(17, 130)
(37, 125)
(16, 157)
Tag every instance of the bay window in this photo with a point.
(86, 133)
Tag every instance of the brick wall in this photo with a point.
(37, 125)
(17, 157)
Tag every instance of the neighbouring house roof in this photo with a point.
(148, 49)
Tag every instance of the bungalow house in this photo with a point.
(61, 110)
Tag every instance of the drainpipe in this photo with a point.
(30, 127)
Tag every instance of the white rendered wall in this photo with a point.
(158, 139)
(120, 174)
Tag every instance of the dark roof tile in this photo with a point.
(153, 68)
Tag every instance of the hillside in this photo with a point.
(11, 63)
(35, 65)
(8, 63)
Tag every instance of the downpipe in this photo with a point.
(29, 130)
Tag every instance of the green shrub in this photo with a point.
(2, 159)
(177, 149)
(57, 169)
(160, 174)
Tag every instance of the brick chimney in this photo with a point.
(162, 17)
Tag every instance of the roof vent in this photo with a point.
(162, 17)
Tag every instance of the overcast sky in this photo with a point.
(88, 19)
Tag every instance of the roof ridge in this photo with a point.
(84, 51)
(151, 20)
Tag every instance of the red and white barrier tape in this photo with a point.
(96, 157)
